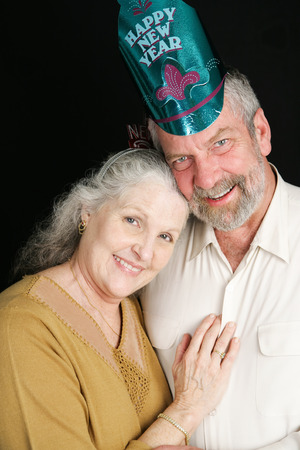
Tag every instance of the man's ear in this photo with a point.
(262, 132)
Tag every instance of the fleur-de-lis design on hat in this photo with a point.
(176, 83)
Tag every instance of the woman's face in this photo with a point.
(130, 240)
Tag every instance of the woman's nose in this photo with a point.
(144, 249)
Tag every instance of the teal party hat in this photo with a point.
(168, 53)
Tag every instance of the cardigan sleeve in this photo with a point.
(41, 403)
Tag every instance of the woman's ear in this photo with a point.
(85, 216)
(262, 132)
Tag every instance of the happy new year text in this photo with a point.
(153, 36)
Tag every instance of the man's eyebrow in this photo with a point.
(218, 134)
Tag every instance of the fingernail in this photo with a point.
(231, 324)
(212, 316)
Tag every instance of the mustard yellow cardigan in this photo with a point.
(62, 386)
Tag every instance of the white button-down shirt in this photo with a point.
(262, 404)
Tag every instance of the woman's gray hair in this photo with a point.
(240, 97)
(55, 240)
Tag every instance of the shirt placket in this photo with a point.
(215, 424)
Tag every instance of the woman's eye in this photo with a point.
(166, 237)
(182, 163)
(131, 220)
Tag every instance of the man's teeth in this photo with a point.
(128, 266)
(216, 197)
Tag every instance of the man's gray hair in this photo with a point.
(55, 240)
(241, 98)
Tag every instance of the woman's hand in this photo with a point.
(201, 368)
(201, 372)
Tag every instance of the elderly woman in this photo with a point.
(77, 370)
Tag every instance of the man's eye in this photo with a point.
(222, 146)
(221, 142)
(182, 163)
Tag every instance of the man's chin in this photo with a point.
(226, 220)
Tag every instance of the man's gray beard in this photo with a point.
(234, 215)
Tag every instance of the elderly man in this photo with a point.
(239, 254)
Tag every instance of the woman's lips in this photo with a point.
(128, 265)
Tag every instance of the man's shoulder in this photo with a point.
(293, 192)
(292, 198)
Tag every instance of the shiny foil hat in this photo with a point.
(171, 60)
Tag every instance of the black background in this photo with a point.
(67, 96)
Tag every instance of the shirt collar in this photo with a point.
(201, 236)
(271, 236)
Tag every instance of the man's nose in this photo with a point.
(206, 172)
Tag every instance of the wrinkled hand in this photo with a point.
(200, 374)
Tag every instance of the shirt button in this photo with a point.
(213, 412)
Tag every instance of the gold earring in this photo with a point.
(82, 226)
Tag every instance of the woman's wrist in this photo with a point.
(176, 425)
(164, 432)
(188, 419)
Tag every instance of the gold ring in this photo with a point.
(222, 355)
